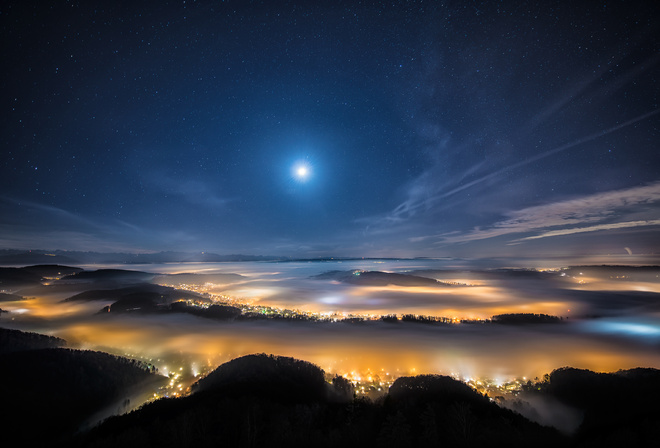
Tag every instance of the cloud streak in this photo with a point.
(192, 191)
(614, 226)
(414, 205)
(593, 209)
(39, 225)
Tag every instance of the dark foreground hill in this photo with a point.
(266, 400)
(620, 409)
(48, 394)
(273, 377)
(16, 341)
(262, 400)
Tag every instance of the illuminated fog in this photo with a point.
(608, 324)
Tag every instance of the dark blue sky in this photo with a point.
(429, 128)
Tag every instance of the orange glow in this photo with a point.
(375, 348)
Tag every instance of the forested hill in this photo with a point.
(265, 400)
(49, 392)
(16, 341)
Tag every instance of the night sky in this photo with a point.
(348, 129)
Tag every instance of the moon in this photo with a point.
(302, 171)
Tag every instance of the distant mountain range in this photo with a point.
(29, 257)
(12, 257)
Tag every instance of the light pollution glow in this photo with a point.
(466, 350)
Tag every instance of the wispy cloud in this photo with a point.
(613, 226)
(30, 213)
(190, 190)
(34, 225)
(14, 237)
(427, 193)
(585, 214)
(199, 193)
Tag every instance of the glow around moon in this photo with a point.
(302, 171)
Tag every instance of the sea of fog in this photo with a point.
(610, 321)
